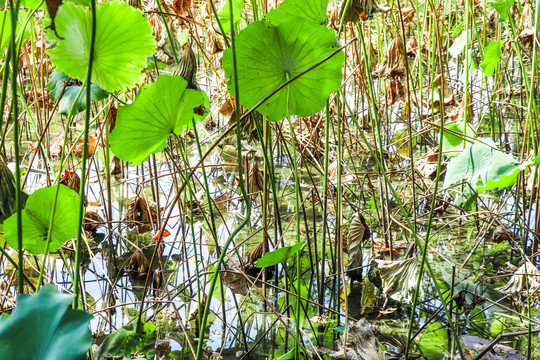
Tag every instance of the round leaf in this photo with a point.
(161, 109)
(37, 216)
(42, 327)
(124, 40)
(311, 10)
(268, 56)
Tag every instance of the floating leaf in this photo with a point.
(484, 167)
(361, 342)
(43, 327)
(123, 42)
(434, 341)
(55, 86)
(126, 341)
(311, 10)
(225, 13)
(492, 55)
(161, 109)
(280, 255)
(36, 219)
(269, 55)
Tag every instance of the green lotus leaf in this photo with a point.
(43, 327)
(492, 55)
(279, 255)
(55, 86)
(225, 14)
(161, 109)
(453, 141)
(123, 42)
(5, 29)
(484, 167)
(126, 341)
(269, 55)
(311, 10)
(36, 218)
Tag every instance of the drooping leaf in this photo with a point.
(269, 55)
(125, 342)
(124, 40)
(399, 278)
(503, 8)
(484, 167)
(55, 86)
(43, 327)
(279, 255)
(358, 233)
(8, 188)
(311, 10)
(453, 144)
(161, 109)
(37, 216)
(492, 55)
(459, 44)
(225, 14)
(434, 341)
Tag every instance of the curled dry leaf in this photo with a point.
(116, 166)
(213, 42)
(92, 221)
(255, 176)
(187, 67)
(394, 59)
(503, 233)
(157, 281)
(138, 264)
(248, 128)
(361, 343)
(254, 254)
(358, 9)
(518, 281)
(79, 146)
(399, 278)
(141, 214)
(308, 135)
(194, 313)
(526, 28)
(358, 232)
(234, 280)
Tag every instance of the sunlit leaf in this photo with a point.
(492, 55)
(453, 144)
(161, 109)
(311, 10)
(125, 342)
(43, 327)
(459, 44)
(484, 167)
(37, 216)
(503, 8)
(279, 255)
(124, 40)
(5, 29)
(269, 55)
(225, 14)
(434, 341)
(55, 86)
(399, 278)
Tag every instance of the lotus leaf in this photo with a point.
(161, 109)
(312, 10)
(43, 327)
(269, 55)
(36, 218)
(123, 42)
